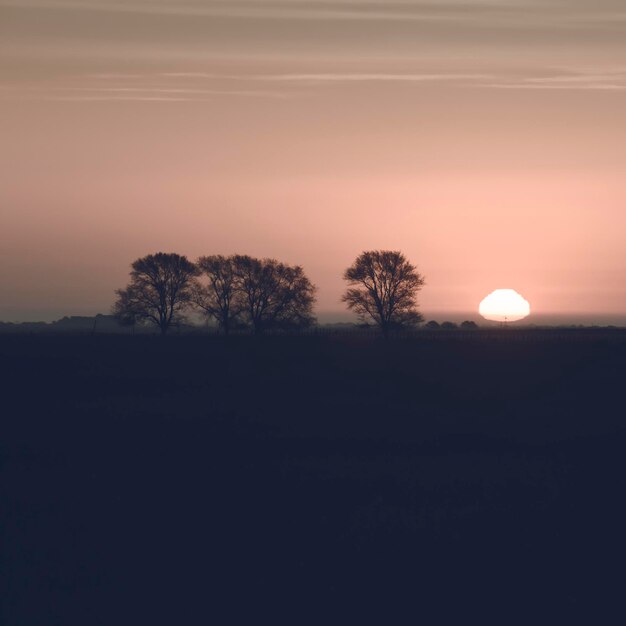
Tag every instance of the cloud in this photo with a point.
(581, 80)
(367, 77)
(203, 86)
(104, 98)
(321, 77)
(557, 86)
(565, 79)
(128, 93)
(174, 91)
(482, 12)
(476, 35)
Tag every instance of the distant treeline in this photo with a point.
(431, 331)
(243, 292)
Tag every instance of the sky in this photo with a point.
(484, 139)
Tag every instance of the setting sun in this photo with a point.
(504, 305)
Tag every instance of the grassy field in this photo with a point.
(199, 479)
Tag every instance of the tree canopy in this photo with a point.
(383, 287)
(273, 294)
(161, 286)
(220, 298)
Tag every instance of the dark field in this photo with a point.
(199, 480)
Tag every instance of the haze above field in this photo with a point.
(483, 139)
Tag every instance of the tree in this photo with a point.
(469, 325)
(220, 298)
(383, 287)
(274, 295)
(432, 325)
(160, 289)
(449, 326)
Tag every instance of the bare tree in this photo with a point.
(383, 287)
(220, 298)
(160, 289)
(275, 295)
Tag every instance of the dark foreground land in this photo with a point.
(203, 480)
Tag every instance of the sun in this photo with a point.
(504, 305)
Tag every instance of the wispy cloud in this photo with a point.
(558, 86)
(103, 98)
(581, 80)
(366, 77)
(181, 91)
(183, 86)
(563, 79)
(126, 93)
(305, 77)
(480, 11)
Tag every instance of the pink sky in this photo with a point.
(487, 141)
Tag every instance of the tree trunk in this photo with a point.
(385, 328)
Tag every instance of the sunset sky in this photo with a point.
(485, 140)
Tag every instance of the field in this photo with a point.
(202, 479)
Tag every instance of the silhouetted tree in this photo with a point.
(383, 286)
(125, 317)
(160, 288)
(449, 325)
(432, 325)
(274, 295)
(469, 325)
(220, 298)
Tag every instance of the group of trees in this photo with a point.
(234, 291)
(241, 291)
(261, 293)
(466, 325)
